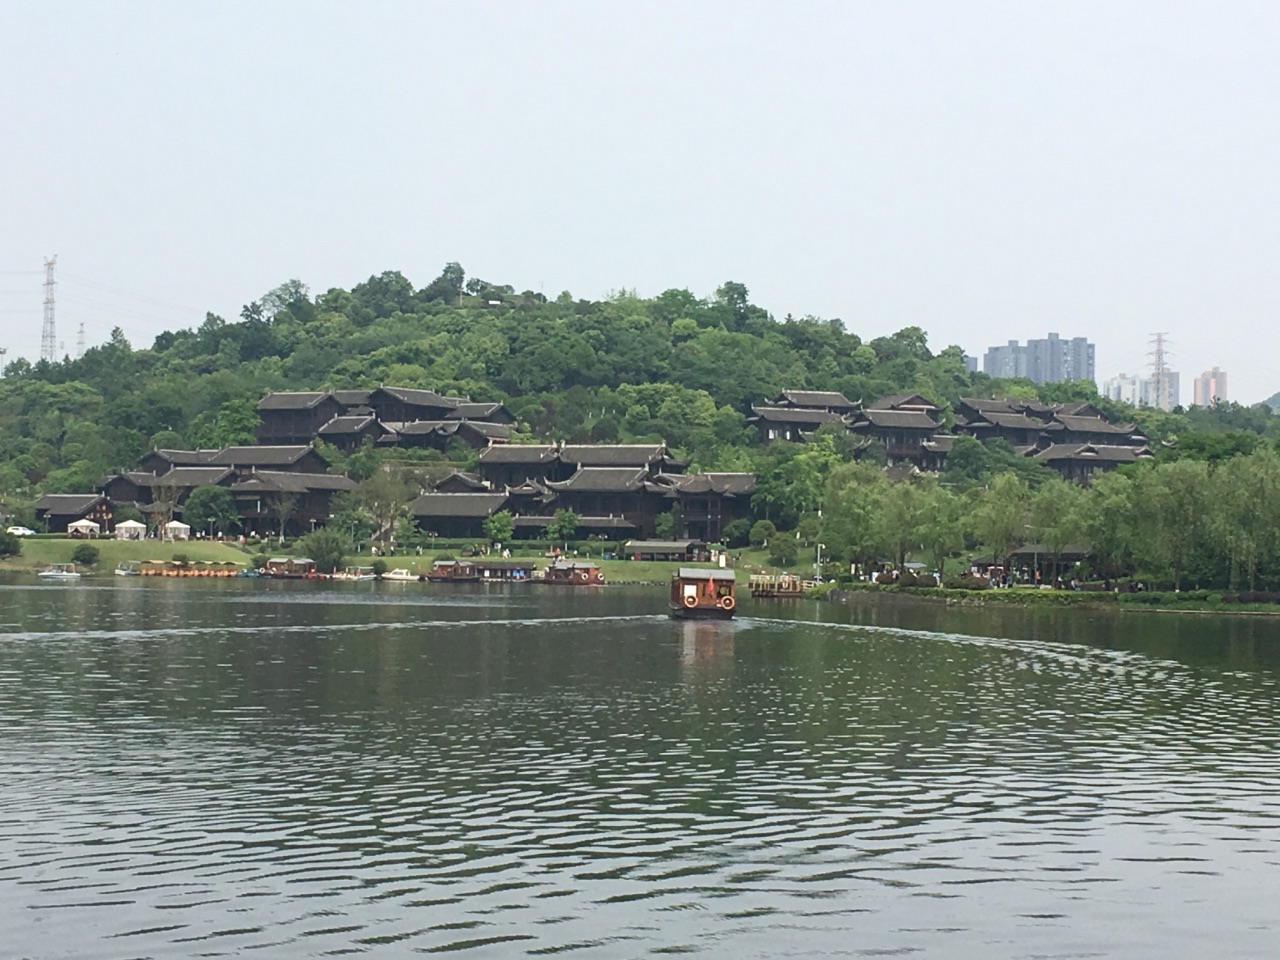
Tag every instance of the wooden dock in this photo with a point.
(779, 587)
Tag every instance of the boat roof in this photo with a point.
(705, 573)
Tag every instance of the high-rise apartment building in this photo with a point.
(1144, 391)
(1209, 388)
(1042, 361)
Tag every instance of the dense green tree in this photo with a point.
(211, 509)
(10, 545)
(563, 525)
(327, 547)
(500, 527)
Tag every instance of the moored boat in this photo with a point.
(291, 568)
(130, 569)
(59, 571)
(571, 573)
(700, 593)
(453, 571)
(402, 575)
(355, 573)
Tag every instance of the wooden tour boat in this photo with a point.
(700, 593)
(453, 571)
(572, 573)
(291, 568)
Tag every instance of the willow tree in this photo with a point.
(1001, 513)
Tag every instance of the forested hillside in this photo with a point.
(675, 367)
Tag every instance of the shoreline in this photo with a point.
(1026, 601)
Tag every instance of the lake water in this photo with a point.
(240, 768)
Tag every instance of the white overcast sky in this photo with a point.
(985, 170)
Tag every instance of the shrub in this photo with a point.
(966, 582)
(259, 560)
(181, 558)
(10, 545)
(379, 567)
(85, 554)
(782, 552)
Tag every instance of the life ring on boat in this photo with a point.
(583, 576)
(727, 602)
(690, 601)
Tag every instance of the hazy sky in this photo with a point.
(987, 171)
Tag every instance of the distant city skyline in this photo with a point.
(1044, 360)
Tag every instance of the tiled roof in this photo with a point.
(352, 398)
(191, 477)
(941, 442)
(1010, 421)
(729, 484)
(421, 398)
(898, 419)
(818, 399)
(291, 400)
(475, 411)
(457, 504)
(68, 504)
(260, 456)
(1090, 425)
(466, 479)
(339, 426)
(1092, 451)
(185, 458)
(612, 454)
(517, 453)
(602, 480)
(278, 481)
(897, 401)
(794, 415)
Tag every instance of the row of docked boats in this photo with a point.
(697, 593)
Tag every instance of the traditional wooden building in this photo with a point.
(455, 514)
(830, 400)
(56, 510)
(290, 459)
(1080, 461)
(295, 417)
(791, 423)
(269, 501)
(708, 502)
(349, 432)
(162, 461)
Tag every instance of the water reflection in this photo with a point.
(312, 770)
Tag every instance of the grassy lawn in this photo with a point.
(40, 553)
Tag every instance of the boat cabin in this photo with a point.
(576, 573)
(290, 568)
(516, 571)
(700, 593)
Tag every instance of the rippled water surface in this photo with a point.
(257, 769)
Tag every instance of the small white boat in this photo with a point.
(130, 569)
(59, 571)
(403, 574)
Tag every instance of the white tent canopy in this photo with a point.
(85, 527)
(130, 530)
(177, 530)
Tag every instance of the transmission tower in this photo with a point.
(80, 340)
(48, 336)
(1160, 371)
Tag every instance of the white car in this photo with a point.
(21, 531)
